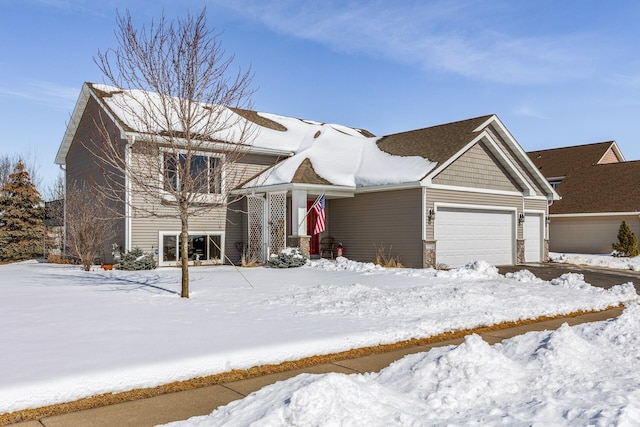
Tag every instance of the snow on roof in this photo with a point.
(340, 155)
(346, 159)
(131, 108)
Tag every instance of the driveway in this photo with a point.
(601, 277)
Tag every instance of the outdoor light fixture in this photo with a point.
(520, 218)
(430, 215)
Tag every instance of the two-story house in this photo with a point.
(442, 195)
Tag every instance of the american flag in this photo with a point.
(318, 207)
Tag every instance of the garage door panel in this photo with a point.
(533, 237)
(464, 235)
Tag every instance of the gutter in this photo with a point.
(222, 146)
(594, 214)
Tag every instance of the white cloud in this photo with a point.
(456, 37)
(525, 110)
(44, 92)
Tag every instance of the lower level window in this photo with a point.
(202, 247)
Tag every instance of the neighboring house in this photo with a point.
(599, 190)
(447, 194)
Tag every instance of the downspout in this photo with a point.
(547, 219)
(127, 185)
(64, 212)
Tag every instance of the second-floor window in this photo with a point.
(205, 174)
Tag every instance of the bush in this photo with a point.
(385, 258)
(288, 258)
(135, 259)
(627, 245)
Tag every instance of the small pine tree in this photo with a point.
(627, 245)
(22, 230)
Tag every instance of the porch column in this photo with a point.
(298, 211)
(299, 236)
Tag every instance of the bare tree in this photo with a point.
(7, 165)
(87, 229)
(179, 90)
(54, 213)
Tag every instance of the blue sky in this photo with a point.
(557, 73)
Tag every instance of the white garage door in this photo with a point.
(532, 238)
(464, 235)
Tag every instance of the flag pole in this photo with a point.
(309, 210)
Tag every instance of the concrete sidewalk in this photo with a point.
(186, 404)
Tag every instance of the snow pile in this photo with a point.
(345, 264)
(524, 276)
(472, 270)
(604, 261)
(582, 375)
(69, 334)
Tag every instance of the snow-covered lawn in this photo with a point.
(68, 334)
(603, 261)
(582, 375)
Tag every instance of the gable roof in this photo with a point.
(559, 162)
(406, 158)
(272, 134)
(595, 178)
(436, 143)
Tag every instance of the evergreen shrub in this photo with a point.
(135, 259)
(287, 258)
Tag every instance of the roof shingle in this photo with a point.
(559, 162)
(436, 143)
(587, 185)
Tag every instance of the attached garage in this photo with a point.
(587, 234)
(467, 234)
(533, 237)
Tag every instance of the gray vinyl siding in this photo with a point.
(467, 198)
(540, 190)
(236, 230)
(145, 229)
(535, 204)
(391, 219)
(477, 168)
(83, 168)
(588, 235)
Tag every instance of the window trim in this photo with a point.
(209, 155)
(176, 233)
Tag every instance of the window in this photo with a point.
(202, 247)
(204, 171)
(555, 181)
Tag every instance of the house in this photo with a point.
(446, 194)
(599, 190)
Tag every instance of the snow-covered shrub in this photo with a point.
(287, 258)
(135, 259)
(627, 245)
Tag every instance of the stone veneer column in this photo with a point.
(428, 254)
(520, 251)
(545, 253)
(301, 242)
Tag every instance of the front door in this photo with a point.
(314, 243)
